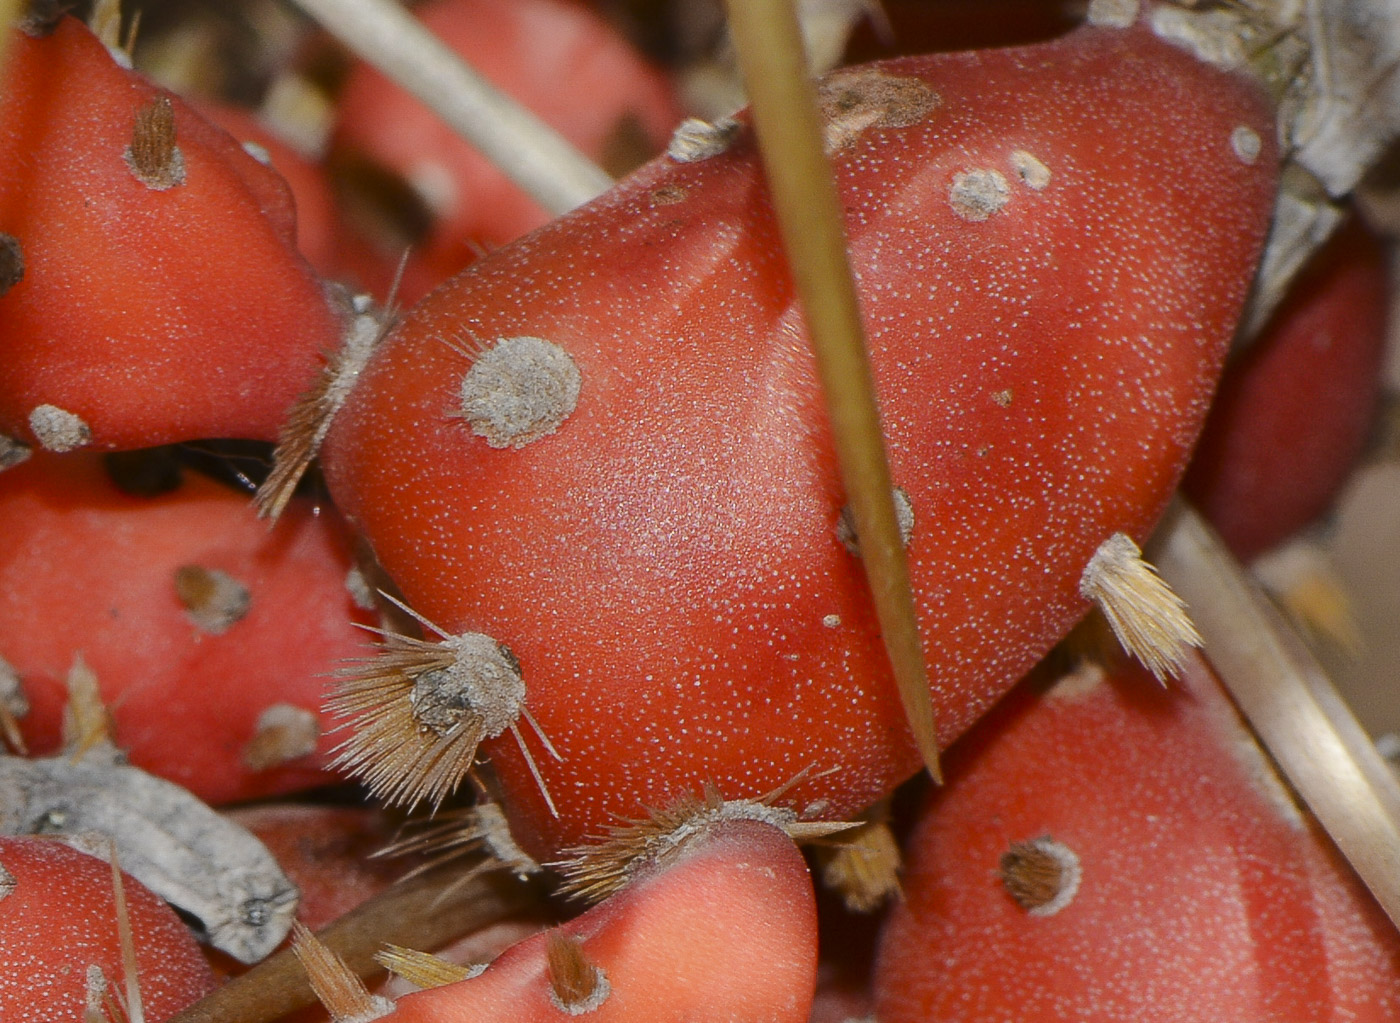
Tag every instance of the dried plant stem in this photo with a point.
(769, 43)
(524, 148)
(426, 911)
(1290, 703)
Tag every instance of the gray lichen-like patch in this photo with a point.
(1245, 144)
(1032, 172)
(214, 600)
(518, 390)
(206, 865)
(7, 882)
(695, 139)
(976, 194)
(59, 430)
(857, 100)
(11, 262)
(284, 732)
(153, 157)
(1113, 13)
(13, 452)
(1042, 875)
(903, 513)
(484, 682)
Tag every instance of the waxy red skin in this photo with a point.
(666, 567)
(1294, 412)
(154, 316)
(61, 918)
(1205, 892)
(89, 570)
(726, 932)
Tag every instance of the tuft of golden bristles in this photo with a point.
(1146, 615)
(599, 868)
(343, 994)
(423, 969)
(418, 710)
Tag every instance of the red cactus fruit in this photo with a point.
(561, 60)
(598, 460)
(150, 290)
(59, 923)
(724, 929)
(318, 230)
(1108, 849)
(1294, 412)
(211, 638)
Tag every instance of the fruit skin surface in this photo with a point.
(665, 566)
(155, 315)
(726, 932)
(1294, 412)
(90, 570)
(1205, 892)
(61, 918)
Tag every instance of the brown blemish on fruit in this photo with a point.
(11, 262)
(7, 882)
(903, 514)
(576, 985)
(976, 194)
(58, 429)
(1030, 170)
(13, 452)
(1003, 397)
(668, 195)
(695, 139)
(854, 101)
(153, 156)
(214, 600)
(284, 732)
(1042, 875)
(518, 390)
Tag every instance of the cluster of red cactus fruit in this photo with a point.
(579, 585)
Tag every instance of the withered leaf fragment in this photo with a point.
(203, 864)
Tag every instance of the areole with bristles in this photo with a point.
(610, 862)
(418, 710)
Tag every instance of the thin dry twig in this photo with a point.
(524, 148)
(769, 43)
(1290, 703)
(426, 911)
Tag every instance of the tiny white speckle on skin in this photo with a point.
(59, 430)
(976, 194)
(1244, 141)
